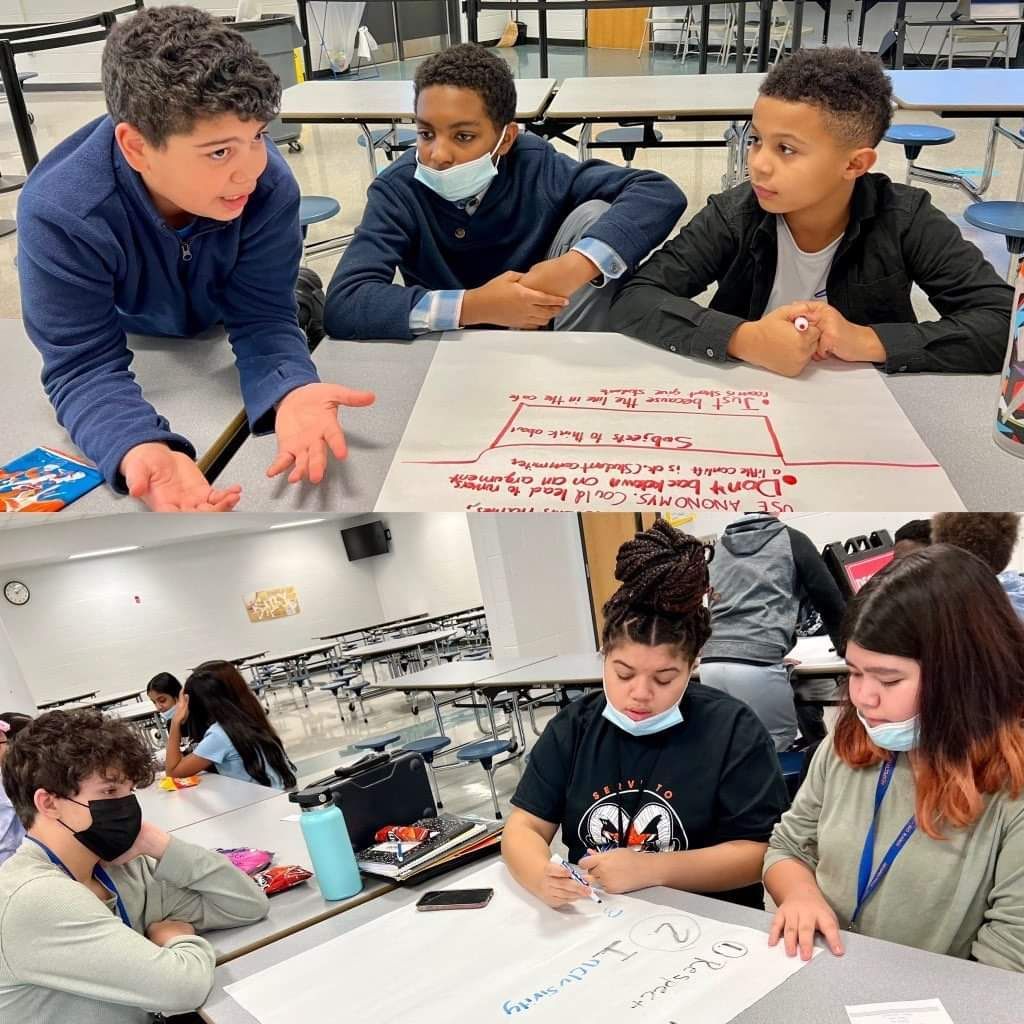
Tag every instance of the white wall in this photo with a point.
(533, 580)
(84, 626)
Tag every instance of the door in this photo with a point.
(603, 534)
(619, 29)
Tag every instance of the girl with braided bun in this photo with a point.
(652, 781)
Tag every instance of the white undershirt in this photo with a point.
(799, 276)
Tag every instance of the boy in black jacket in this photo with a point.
(814, 235)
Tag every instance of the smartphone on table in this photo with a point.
(455, 899)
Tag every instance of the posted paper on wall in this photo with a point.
(538, 421)
(624, 960)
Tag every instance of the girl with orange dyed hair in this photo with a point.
(910, 824)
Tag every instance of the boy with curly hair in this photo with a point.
(489, 225)
(98, 908)
(815, 239)
(169, 215)
(990, 536)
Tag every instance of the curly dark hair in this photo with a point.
(469, 66)
(664, 577)
(166, 68)
(919, 531)
(850, 88)
(991, 536)
(59, 750)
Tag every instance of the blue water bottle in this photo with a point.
(330, 849)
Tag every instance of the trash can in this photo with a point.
(275, 39)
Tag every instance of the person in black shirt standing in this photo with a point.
(653, 781)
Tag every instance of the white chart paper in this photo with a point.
(624, 960)
(538, 421)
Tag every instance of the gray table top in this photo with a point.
(960, 90)
(383, 102)
(458, 675)
(46, 705)
(302, 652)
(870, 971)
(394, 370)
(260, 826)
(193, 382)
(215, 795)
(402, 643)
(711, 97)
(136, 712)
(108, 700)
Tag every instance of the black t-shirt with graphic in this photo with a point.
(712, 779)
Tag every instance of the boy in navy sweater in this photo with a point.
(490, 226)
(168, 216)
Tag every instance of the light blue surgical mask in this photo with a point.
(463, 180)
(167, 715)
(646, 726)
(894, 736)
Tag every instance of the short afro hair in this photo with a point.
(59, 750)
(917, 531)
(469, 66)
(849, 87)
(166, 68)
(991, 536)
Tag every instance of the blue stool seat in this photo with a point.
(628, 139)
(313, 209)
(427, 745)
(792, 763)
(377, 743)
(483, 750)
(1001, 218)
(404, 138)
(357, 685)
(913, 137)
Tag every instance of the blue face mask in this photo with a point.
(895, 736)
(645, 727)
(463, 180)
(167, 715)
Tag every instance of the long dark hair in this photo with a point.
(235, 681)
(210, 701)
(664, 577)
(943, 608)
(166, 684)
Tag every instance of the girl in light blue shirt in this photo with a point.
(224, 737)
(11, 830)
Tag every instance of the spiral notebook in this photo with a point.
(383, 858)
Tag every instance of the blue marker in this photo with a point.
(575, 874)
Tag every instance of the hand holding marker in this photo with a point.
(576, 876)
(801, 324)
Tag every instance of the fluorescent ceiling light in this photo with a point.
(300, 522)
(103, 551)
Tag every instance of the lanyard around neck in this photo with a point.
(868, 883)
(98, 873)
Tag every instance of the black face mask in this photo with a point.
(116, 824)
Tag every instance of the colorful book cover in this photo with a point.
(1010, 414)
(45, 480)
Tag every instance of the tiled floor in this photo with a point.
(333, 164)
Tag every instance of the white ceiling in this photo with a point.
(34, 541)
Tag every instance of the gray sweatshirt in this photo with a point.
(963, 895)
(67, 958)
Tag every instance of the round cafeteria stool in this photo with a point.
(1001, 218)
(628, 139)
(355, 689)
(485, 752)
(427, 748)
(914, 137)
(313, 209)
(378, 743)
(792, 763)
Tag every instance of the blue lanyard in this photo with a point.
(98, 873)
(866, 882)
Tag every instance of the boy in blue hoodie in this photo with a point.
(166, 217)
(490, 226)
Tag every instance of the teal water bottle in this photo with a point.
(330, 849)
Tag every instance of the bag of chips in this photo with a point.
(281, 878)
(402, 833)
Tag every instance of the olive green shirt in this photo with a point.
(962, 895)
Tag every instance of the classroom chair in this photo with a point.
(1001, 218)
(792, 763)
(485, 752)
(355, 690)
(652, 24)
(628, 139)
(427, 748)
(378, 743)
(914, 137)
(392, 141)
(996, 34)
